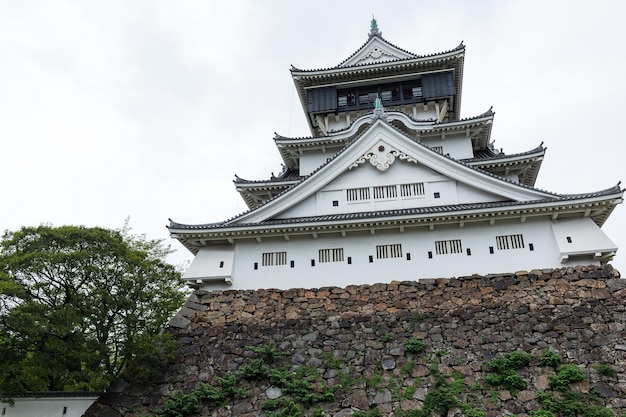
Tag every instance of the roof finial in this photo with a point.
(378, 103)
(374, 28)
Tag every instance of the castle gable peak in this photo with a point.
(376, 50)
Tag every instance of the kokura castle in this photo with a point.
(393, 184)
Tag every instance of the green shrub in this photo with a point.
(269, 351)
(414, 346)
(510, 361)
(606, 370)
(550, 358)
(180, 405)
(254, 369)
(565, 375)
(281, 407)
(470, 411)
(541, 413)
(595, 411)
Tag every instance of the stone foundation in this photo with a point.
(359, 333)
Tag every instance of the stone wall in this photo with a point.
(354, 340)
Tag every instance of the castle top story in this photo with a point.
(426, 87)
(393, 185)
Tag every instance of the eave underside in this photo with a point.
(194, 237)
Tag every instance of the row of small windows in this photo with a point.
(442, 247)
(385, 192)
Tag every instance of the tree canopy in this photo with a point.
(80, 305)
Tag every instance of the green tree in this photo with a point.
(80, 305)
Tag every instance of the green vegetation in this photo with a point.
(550, 358)
(565, 375)
(80, 305)
(415, 346)
(504, 371)
(607, 371)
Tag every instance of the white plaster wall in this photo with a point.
(457, 146)
(312, 160)
(416, 241)
(401, 172)
(47, 407)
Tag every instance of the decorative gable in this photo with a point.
(376, 50)
(448, 182)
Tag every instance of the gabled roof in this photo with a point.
(598, 205)
(517, 200)
(480, 125)
(256, 192)
(378, 58)
(525, 165)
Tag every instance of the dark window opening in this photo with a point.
(491, 250)
(312, 262)
(349, 260)
(408, 256)
(569, 239)
(468, 251)
(256, 265)
(292, 264)
(221, 264)
(371, 259)
(335, 203)
(437, 195)
(531, 246)
(430, 254)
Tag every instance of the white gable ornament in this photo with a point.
(382, 156)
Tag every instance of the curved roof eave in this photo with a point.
(440, 214)
(547, 195)
(458, 51)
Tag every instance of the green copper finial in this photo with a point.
(378, 103)
(373, 25)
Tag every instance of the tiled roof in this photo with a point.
(401, 212)
(354, 140)
(434, 124)
(489, 154)
(460, 47)
(288, 175)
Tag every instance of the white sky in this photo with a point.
(147, 109)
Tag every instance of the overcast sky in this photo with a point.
(147, 109)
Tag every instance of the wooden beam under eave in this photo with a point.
(231, 240)
(286, 236)
(259, 239)
(343, 233)
(555, 216)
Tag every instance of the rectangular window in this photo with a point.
(412, 190)
(385, 191)
(331, 255)
(389, 251)
(444, 247)
(274, 258)
(510, 242)
(358, 194)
